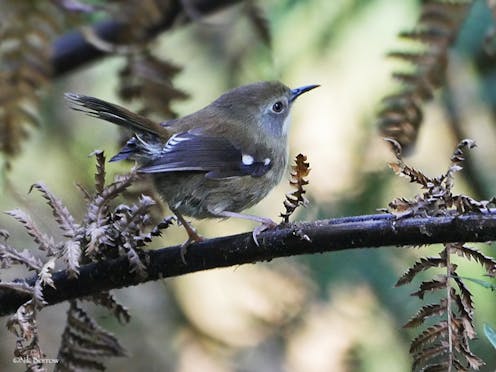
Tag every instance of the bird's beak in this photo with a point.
(295, 93)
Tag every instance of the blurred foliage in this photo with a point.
(331, 312)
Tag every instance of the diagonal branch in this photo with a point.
(72, 50)
(326, 236)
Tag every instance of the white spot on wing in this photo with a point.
(247, 159)
(173, 141)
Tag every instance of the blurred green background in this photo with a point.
(327, 312)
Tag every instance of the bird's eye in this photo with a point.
(278, 107)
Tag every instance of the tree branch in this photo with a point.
(72, 50)
(325, 236)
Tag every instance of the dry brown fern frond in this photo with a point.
(437, 27)
(437, 199)
(28, 29)
(149, 79)
(297, 198)
(27, 32)
(107, 230)
(445, 344)
(84, 343)
(23, 324)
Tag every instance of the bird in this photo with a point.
(215, 162)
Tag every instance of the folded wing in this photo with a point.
(215, 156)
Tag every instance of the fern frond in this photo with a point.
(436, 29)
(23, 324)
(148, 79)
(45, 243)
(107, 300)
(100, 170)
(429, 336)
(487, 262)
(293, 200)
(430, 285)
(84, 342)
(425, 312)
(424, 263)
(62, 215)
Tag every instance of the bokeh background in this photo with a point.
(326, 312)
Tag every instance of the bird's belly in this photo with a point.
(196, 196)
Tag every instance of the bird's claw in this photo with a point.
(184, 247)
(266, 224)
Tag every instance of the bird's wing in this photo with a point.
(215, 156)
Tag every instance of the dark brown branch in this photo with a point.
(326, 236)
(72, 50)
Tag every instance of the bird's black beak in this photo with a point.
(295, 93)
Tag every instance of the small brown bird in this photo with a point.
(215, 162)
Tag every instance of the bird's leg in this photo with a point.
(192, 235)
(265, 223)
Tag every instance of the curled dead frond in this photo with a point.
(300, 170)
(437, 27)
(107, 230)
(438, 198)
(23, 324)
(445, 344)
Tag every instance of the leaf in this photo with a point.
(465, 295)
(430, 335)
(425, 312)
(458, 155)
(71, 255)
(490, 334)
(46, 271)
(84, 342)
(148, 78)
(423, 264)
(480, 282)
(436, 29)
(295, 199)
(23, 324)
(9, 255)
(45, 242)
(487, 262)
(427, 354)
(100, 170)
(60, 212)
(107, 300)
(137, 266)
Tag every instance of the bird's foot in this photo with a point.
(193, 238)
(266, 224)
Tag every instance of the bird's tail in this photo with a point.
(115, 114)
